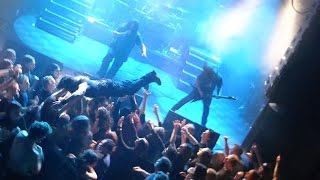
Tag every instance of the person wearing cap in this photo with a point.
(203, 90)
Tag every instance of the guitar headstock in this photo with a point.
(232, 97)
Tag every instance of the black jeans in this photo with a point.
(206, 105)
(109, 88)
(118, 60)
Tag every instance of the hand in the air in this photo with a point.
(57, 105)
(144, 54)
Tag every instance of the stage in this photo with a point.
(85, 55)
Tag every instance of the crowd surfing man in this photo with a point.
(203, 89)
(80, 86)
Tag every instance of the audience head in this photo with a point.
(189, 174)
(163, 164)
(63, 121)
(23, 82)
(13, 89)
(106, 146)
(160, 131)
(207, 135)
(237, 150)
(54, 70)
(231, 161)
(6, 64)
(204, 156)
(10, 54)
(14, 111)
(191, 128)
(49, 83)
(200, 172)
(88, 157)
(133, 26)
(141, 145)
(170, 153)
(69, 83)
(265, 170)
(39, 130)
(185, 151)
(125, 111)
(80, 124)
(105, 120)
(217, 160)
(158, 176)
(28, 63)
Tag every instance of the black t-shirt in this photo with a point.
(43, 94)
(208, 83)
(123, 45)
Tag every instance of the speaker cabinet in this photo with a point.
(168, 125)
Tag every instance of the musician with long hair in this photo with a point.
(124, 39)
(203, 89)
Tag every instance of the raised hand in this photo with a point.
(150, 125)
(137, 169)
(278, 158)
(183, 122)
(17, 70)
(176, 124)
(146, 93)
(110, 106)
(155, 108)
(225, 138)
(57, 105)
(120, 122)
(144, 54)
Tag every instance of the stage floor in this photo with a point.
(85, 55)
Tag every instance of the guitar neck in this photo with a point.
(224, 97)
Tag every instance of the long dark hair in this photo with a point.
(69, 83)
(133, 26)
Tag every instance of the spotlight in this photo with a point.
(91, 19)
(274, 106)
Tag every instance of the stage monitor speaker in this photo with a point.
(168, 125)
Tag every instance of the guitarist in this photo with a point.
(124, 39)
(205, 84)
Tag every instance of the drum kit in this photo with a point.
(145, 11)
(156, 17)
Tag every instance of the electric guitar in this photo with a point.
(224, 97)
(217, 97)
(197, 98)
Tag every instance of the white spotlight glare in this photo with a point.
(91, 19)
